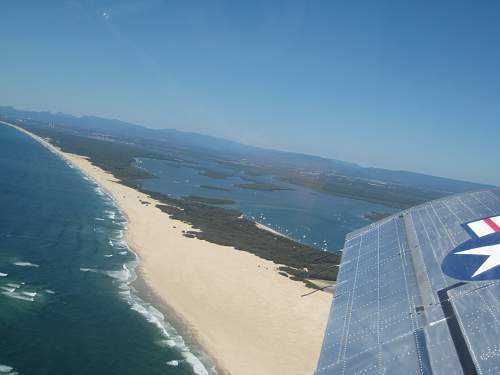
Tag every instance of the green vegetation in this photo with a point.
(116, 158)
(196, 198)
(396, 196)
(228, 227)
(261, 186)
(211, 187)
(376, 216)
(392, 195)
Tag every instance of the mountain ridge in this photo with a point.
(119, 128)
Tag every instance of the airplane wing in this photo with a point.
(419, 292)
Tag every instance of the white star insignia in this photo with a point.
(493, 260)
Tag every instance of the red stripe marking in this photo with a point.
(492, 225)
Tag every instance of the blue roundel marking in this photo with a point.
(463, 266)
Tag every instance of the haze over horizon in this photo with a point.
(411, 87)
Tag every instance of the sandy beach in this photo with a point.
(246, 316)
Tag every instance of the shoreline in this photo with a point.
(246, 317)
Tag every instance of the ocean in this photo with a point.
(69, 301)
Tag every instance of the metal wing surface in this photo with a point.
(411, 296)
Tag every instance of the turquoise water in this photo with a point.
(316, 219)
(68, 304)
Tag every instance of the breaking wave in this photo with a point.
(15, 290)
(124, 278)
(25, 264)
(7, 370)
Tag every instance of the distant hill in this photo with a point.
(231, 149)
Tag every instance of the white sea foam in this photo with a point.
(13, 285)
(118, 242)
(99, 219)
(18, 296)
(195, 362)
(108, 255)
(26, 264)
(173, 339)
(4, 369)
(173, 363)
(7, 370)
(8, 290)
(121, 244)
(29, 294)
(169, 343)
(99, 191)
(110, 214)
(89, 270)
(122, 275)
(50, 291)
(3, 274)
(126, 276)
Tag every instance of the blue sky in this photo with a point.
(393, 84)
